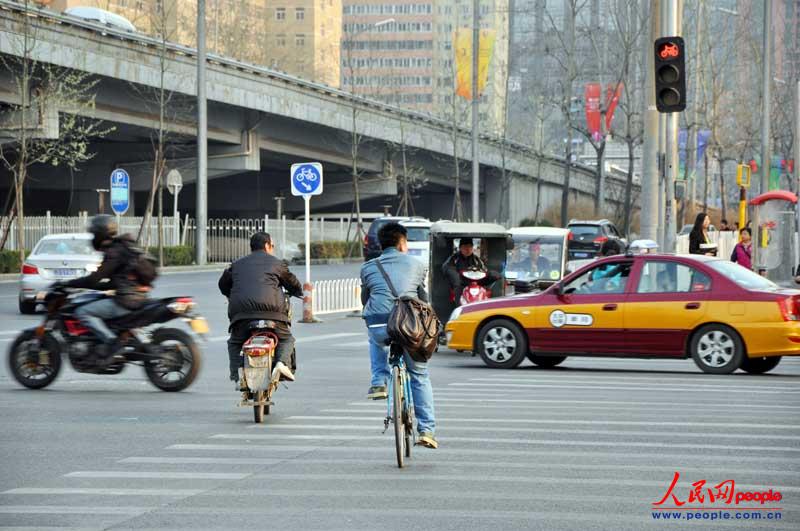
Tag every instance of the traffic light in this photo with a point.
(670, 66)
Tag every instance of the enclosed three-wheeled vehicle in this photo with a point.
(538, 259)
(491, 244)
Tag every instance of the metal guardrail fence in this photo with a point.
(36, 227)
(332, 296)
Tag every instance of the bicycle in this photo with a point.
(400, 406)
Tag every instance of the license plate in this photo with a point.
(65, 272)
(581, 255)
(199, 325)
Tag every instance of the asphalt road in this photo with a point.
(590, 445)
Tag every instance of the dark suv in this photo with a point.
(372, 247)
(586, 237)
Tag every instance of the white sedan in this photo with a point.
(56, 257)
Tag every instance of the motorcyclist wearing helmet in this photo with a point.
(462, 260)
(114, 273)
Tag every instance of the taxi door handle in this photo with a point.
(609, 307)
(692, 306)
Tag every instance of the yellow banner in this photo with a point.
(463, 49)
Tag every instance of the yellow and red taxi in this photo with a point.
(723, 316)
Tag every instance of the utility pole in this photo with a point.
(476, 166)
(766, 74)
(202, 138)
(650, 177)
(694, 129)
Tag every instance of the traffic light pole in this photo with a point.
(476, 165)
(671, 18)
(766, 74)
(650, 174)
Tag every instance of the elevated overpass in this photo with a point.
(261, 121)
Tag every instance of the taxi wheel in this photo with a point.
(546, 362)
(760, 365)
(502, 344)
(717, 349)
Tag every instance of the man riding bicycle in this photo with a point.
(407, 274)
(254, 286)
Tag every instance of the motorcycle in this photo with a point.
(473, 290)
(258, 354)
(171, 357)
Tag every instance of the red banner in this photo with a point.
(612, 99)
(592, 102)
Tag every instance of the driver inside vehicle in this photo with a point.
(462, 260)
(534, 264)
(609, 278)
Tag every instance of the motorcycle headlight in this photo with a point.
(456, 313)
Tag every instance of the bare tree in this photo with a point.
(47, 124)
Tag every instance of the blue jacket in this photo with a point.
(407, 275)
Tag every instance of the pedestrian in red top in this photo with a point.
(743, 252)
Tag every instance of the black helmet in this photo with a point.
(102, 228)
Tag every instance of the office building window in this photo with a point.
(280, 40)
(280, 13)
(300, 40)
(300, 13)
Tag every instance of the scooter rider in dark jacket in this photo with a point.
(254, 286)
(116, 272)
(462, 260)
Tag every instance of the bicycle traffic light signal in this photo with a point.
(670, 76)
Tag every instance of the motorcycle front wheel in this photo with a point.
(178, 362)
(34, 361)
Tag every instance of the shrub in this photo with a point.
(9, 261)
(178, 255)
(326, 249)
(530, 222)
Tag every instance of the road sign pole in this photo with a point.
(307, 200)
(308, 287)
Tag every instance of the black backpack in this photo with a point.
(412, 324)
(143, 266)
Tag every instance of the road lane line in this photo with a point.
(526, 441)
(106, 492)
(594, 453)
(621, 387)
(113, 474)
(483, 478)
(202, 460)
(588, 404)
(72, 509)
(307, 339)
(510, 382)
(570, 421)
(445, 427)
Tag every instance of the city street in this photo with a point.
(591, 444)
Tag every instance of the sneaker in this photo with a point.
(281, 370)
(427, 440)
(377, 392)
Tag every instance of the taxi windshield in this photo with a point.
(743, 277)
(536, 258)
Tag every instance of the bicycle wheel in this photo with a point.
(408, 414)
(397, 415)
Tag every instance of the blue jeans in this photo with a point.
(94, 315)
(421, 389)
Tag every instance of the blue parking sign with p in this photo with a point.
(306, 178)
(120, 191)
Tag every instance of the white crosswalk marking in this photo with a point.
(512, 444)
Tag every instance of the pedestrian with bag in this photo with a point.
(395, 302)
(743, 252)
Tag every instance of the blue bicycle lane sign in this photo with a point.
(306, 178)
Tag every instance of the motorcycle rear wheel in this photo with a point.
(258, 411)
(34, 370)
(159, 371)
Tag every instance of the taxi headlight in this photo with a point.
(456, 313)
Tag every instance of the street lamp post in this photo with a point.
(202, 140)
(766, 73)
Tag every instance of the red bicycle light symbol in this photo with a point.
(669, 50)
